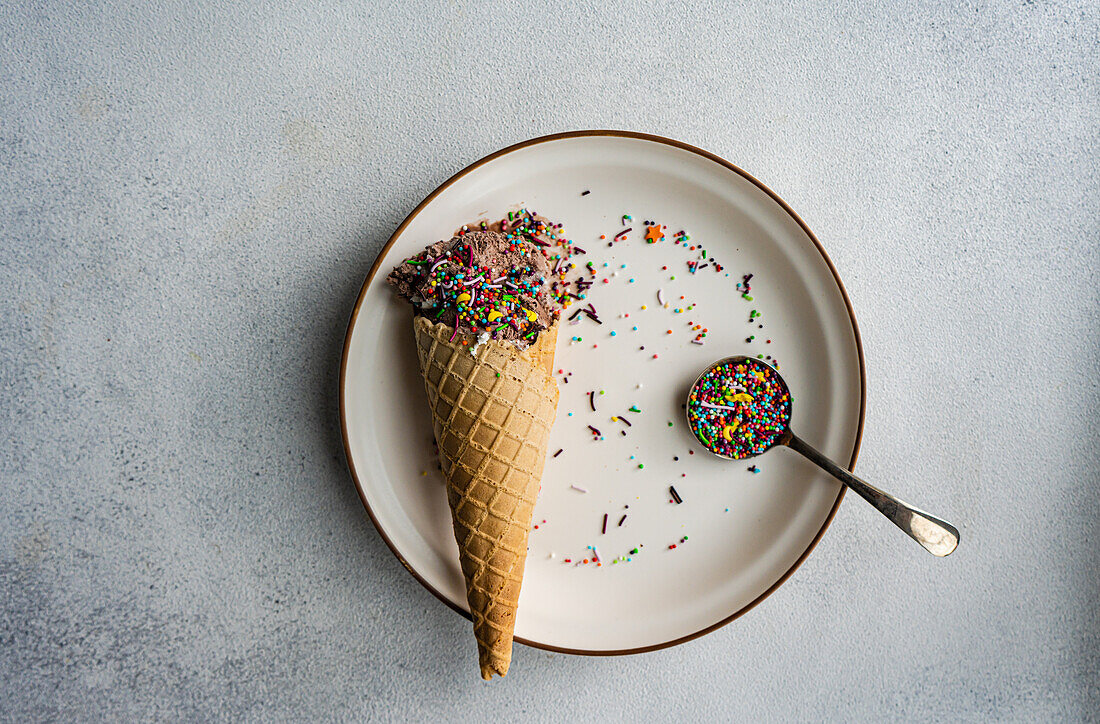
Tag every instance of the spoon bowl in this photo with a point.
(710, 410)
(740, 407)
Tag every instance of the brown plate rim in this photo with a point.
(641, 137)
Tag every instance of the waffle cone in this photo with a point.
(491, 414)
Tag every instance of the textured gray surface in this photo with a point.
(191, 196)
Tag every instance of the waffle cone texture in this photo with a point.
(491, 414)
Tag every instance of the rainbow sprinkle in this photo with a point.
(739, 409)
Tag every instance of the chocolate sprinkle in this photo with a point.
(675, 495)
(604, 529)
(558, 452)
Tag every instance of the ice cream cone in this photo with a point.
(491, 413)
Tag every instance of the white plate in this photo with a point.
(733, 558)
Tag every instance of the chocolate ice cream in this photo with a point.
(491, 285)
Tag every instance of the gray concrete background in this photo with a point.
(192, 193)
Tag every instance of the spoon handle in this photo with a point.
(937, 536)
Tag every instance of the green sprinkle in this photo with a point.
(670, 424)
(640, 466)
(634, 408)
(704, 253)
(498, 374)
(633, 551)
(746, 297)
(601, 392)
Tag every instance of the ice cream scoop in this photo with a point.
(740, 407)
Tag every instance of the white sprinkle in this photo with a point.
(716, 407)
(639, 386)
(696, 341)
(481, 339)
(574, 487)
(661, 296)
(553, 555)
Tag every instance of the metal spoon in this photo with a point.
(937, 536)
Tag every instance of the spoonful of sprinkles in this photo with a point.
(740, 407)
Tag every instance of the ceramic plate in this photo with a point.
(670, 571)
